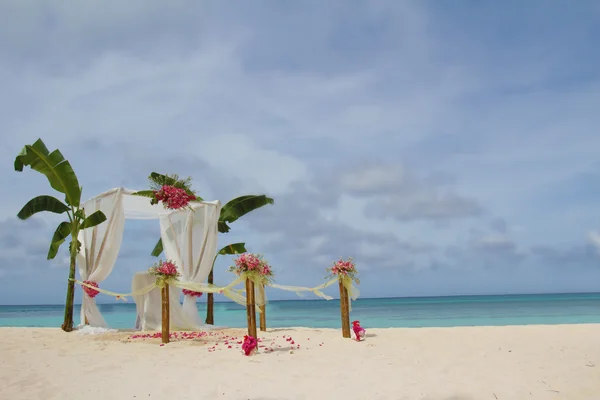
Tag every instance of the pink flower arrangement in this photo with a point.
(165, 269)
(252, 264)
(173, 198)
(343, 268)
(91, 293)
(359, 331)
(249, 345)
(187, 292)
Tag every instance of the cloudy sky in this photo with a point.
(450, 147)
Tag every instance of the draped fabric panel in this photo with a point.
(190, 240)
(100, 247)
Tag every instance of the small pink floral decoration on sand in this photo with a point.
(254, 265)
(343, 268)
(91, 293)
(249, 346)
(164, 269)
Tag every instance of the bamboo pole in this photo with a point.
(263, 310)
(344, 310)
(251, 308)
(166, 313)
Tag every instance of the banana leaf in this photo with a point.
(62, 232)
(234, 248)
(42, 203)
(59, 172)
(240, 206)
(158, 248)
(96, 218)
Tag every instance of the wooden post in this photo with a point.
(345, 310)
(251, 308)
(263, 310)
(166, 313)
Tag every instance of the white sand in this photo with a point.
(504, 363)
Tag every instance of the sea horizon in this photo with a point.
(382, 312)
(203, 299)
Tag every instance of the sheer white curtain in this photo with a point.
(100, 247)
(190, 240)
(149, 306)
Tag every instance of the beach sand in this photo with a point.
(471, 363)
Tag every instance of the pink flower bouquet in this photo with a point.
(164, 269)
(343, 268)
(253, 264)
(173, 198)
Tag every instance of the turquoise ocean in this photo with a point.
(548, 309)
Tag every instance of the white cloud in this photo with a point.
(330, 109)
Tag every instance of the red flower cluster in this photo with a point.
(359, 331)
(249, 262)
(343, 267)
(167, 268)
(90, 291)
(187, 292)
(249, 345)
(173, 198)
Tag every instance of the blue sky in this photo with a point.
(450, 147)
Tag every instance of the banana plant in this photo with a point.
(62, 178)
(230, 249)
(230, 212)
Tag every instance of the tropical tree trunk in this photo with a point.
(67, 325)
(210, 302)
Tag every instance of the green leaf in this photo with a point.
(62, 232)
(42, 203)
(158, 248)
(234, 248)
(223, 227)
(145, 193)
(59, 172)
(96, 218)
(239, 207)
(157, 181)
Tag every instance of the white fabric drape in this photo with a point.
(190, 240)
(149, 306)
(100, 247)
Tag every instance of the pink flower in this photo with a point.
(91, 293)
(249, 262)
(187, 292)
(359, 331)
(167, 268)
(344, 268)
(249, 345)
(173, 198)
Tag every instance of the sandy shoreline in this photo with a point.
(471, 363)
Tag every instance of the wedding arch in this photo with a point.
(189, 237)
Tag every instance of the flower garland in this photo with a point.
(187, 292)
(343, 268)
(253, 265)
(91, 293)
(164, 270)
